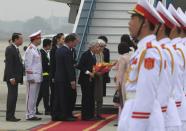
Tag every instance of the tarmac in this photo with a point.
(25, 125)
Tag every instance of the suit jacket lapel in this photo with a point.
(17, 53)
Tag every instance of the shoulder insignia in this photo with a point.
(149, 63)
(163, 46)
(134, 61)
(149, 45)
(174, 46)
(30, 47)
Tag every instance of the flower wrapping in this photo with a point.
(102, 67)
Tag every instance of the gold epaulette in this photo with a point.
(149, 46)
(171, 55)
(181, 51)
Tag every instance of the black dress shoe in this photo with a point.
(47, 113)
(70, 119)
(12, 119)
(75, 117)
(38, 113)
(34, 119)
(89, 119)
(56, 119)
(99, 117)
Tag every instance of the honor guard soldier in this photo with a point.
(182, 21)
(142, 111)
(183, 36)
(178, 46)
(169, 109)
(33, 67)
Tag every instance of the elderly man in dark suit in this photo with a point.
(13, 74)
(86, 80)
(65, 82)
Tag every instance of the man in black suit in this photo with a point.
(44, 88)
(106, 56)
(86, 80)
(73, 50)
(13, 74)
(65, 82)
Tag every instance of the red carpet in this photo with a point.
(77, 125)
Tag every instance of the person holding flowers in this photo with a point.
(86, 81)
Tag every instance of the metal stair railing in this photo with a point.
(87, 23)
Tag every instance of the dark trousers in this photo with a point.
(72, 100)
(44, 93)
(11, 100)
(62, 106)
(98, 94)
(104, 87)
(87, 111)
(52, 93)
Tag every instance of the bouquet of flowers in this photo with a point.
(103, 67)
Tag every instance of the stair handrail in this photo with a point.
(78, 16)
(85, 29)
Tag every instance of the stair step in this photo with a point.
(109, 14)
(106, 22)
(111, 22)
(103, 30)
(114, 6)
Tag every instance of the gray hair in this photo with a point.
(91, 44)
(101, 42)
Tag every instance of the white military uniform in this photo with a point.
(183, 21)
(177, 43)
(33, 66)
(184, 87)
(184, 46)
(142, 110)
(179, 81)
(171, 116)
(167, 86)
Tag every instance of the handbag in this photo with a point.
(116, 97)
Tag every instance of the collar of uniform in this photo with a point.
(142, 43)
(176, 40)
(164, 41)
(66, 46)
(33, 46)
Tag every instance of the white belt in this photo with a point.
(130, 95)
